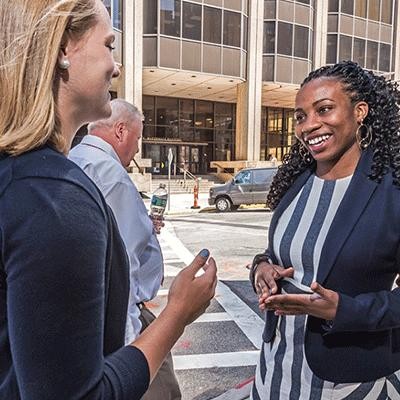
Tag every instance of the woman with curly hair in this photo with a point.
(332, 318)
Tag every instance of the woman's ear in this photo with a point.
(62, 60)
(361, 111)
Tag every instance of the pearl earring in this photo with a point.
(64, 64)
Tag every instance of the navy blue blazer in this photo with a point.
(360, 260)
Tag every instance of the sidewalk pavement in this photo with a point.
(181, 203)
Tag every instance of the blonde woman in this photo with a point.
(63, 266)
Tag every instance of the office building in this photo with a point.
(216, 79)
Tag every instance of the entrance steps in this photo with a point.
(178, 185)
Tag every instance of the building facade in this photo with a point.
(216, 79)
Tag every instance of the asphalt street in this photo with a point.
(220, 350)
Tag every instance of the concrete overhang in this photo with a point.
(279, 94)
(191, 85)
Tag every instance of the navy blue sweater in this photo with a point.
(61, 311)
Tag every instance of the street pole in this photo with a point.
(170, 158)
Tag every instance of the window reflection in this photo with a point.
(359, 51)
(372, 55)
(191, 28)
(208, 125)
(269, 37)
(277, 132)
(150, 16)
(232, 28)
(212, 25)
(285, 38)
(170, 17)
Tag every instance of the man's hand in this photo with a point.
(158, 223)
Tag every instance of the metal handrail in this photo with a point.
(223, 169)
(189, 174)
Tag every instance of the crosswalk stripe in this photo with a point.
(233, 359)
(214, 317)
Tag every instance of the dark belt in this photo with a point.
(141, 305)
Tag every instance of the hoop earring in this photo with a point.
(305, 154)
(363, 136)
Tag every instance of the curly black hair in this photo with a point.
(383, 98)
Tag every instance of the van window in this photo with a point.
(243, 178)
(263, 176)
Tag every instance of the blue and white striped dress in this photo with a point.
(283, 372)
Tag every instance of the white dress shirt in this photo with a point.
(101, 163)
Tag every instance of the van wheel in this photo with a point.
(223, 204)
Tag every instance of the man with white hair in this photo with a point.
(109, 147)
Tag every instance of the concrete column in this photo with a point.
(320, 33)
(133, 54)
(248, 108)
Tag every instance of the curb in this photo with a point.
(239, 392)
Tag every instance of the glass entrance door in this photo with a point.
(193, 158)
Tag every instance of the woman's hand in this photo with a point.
(189, 294)
(322, 303)
(265, 279)
(188, 297)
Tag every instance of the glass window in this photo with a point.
(269, 9)
(223, 116)
(166, 111)
(148, 110)
(345, 48)
(191, 21)
(300, 41)
(117, 14)
(170, 17)
(333, 6)
(245, 22)
(263, 176)
(186, 134)
(203, 135)
(204, 117)
(386, 11)
(268, 68)
(304, 1)
(150, 16)
(285, 38)
(361, 8)
(232, 31)
(347, 6)
(223, 145)
(373, 9)
(243, 178)
(275, 120)
(107, 4)
(269, 37)
(153, 152)
(331, 49)
(359, 51)
(149, 131)
(384, 57)
(186, 112)
(372, 55)
(212, 25)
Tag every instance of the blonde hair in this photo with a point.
(31, 35)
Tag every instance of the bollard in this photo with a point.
(195, 194)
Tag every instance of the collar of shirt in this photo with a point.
(95, 141)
